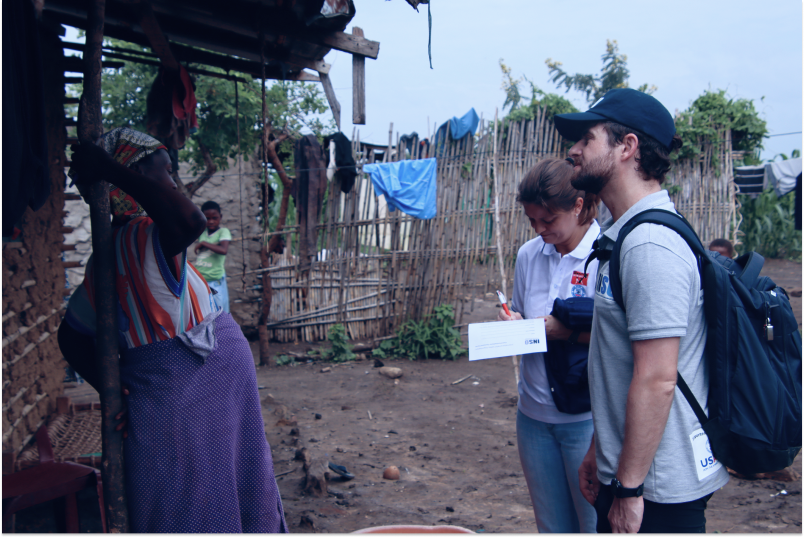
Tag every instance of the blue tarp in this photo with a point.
(407, 185)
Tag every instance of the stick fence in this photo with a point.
(375, 269)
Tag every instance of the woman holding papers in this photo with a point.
(552, 444)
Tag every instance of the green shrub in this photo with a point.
(433, 337)
(282, 360)
(341, 350)
(768, 226)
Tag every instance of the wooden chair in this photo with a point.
(48, 481)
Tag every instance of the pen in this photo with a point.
(503, 301)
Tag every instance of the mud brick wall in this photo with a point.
(34, 284)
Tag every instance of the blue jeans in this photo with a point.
(551, 455)
(222, 297)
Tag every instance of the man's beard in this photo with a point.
(595, 175)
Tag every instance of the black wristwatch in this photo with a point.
(573, 338)
(620, 492)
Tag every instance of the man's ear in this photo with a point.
(630, 146)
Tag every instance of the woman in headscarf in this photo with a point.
(196, 457)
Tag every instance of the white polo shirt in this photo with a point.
(543, 274)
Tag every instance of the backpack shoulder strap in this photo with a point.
(751, 263)
(671, 220)
(596, 254)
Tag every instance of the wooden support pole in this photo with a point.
(90, 129)
(329, 91)
(498, 231)
(358, 84)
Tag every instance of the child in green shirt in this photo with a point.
(213, 246)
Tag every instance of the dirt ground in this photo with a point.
(454, 444)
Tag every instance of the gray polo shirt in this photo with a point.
(663, 299)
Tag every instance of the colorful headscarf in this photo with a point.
(127, 146)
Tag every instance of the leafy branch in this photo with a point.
(614, 74)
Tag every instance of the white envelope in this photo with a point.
(506, 338)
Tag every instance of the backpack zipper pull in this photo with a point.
(769, 330)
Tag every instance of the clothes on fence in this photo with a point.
(458, 128)
(406, 185)
(196, 456)
(170, 107)
(26, 176)
(153, 306)
(309, 189)
(782, 175)
(346, 170)
(331, 166)
(407, 143)
(750, 179)
(424, 149)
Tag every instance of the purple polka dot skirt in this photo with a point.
(196, 457)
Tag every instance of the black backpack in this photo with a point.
(753, 349)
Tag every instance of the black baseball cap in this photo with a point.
(625, 106)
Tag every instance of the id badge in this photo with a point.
(705, 462)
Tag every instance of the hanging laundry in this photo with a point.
(344, 161)
(309, 189)
(26, 177)
(407, 185)
(407, 142)
(170, 107)
(458, 128)
(782, 175)
(424, 149)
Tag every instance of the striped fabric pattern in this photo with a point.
(153, 305)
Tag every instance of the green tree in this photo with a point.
(290, 107)
(712, 112)
(552, 103)
(614, 74)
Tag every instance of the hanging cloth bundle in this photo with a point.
(170, 107)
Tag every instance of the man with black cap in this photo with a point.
(642, 471)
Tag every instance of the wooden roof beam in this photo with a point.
(352, 44)
(336, 40)
(159, 44)
(192, 55)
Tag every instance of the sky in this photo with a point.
(751, 49)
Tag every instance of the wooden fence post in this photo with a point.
(358, 84)
(90, 127)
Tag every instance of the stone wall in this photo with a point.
(34, 285)
(225, 189)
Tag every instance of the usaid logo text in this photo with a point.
(531, 341)
(604, 287)
(707, 462)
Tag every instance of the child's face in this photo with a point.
(213, 219)
(722, 251)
